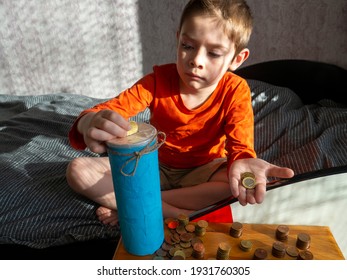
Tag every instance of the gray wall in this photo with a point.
(295, 29)
(98, 47)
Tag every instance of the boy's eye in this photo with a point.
(186, 46)
(213, 54)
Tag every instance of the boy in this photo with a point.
(204, 110)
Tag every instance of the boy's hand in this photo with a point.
(97, 128)
(261, 169)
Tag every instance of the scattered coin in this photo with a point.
(246, 245)
(305, 255)
(292, 251)
(260, 254)
(173, 224)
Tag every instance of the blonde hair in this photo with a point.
(235, 17)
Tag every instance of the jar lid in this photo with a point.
(145, 133)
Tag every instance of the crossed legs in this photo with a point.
(92, 178)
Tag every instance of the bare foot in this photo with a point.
(107, 216)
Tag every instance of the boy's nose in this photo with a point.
(197, 60)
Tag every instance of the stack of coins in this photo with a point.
(198, 250)
(303, 241)
(305, 255)
(246, 245)
(282, 232)
(260, 254)
(278, 249)
(183, 219)
(223, 251)
(200, 227)
(236, 229)
(186, 239)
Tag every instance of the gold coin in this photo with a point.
(248, 180)
(134, 128)
(202, 224)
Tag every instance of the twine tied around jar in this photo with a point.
(136, 156)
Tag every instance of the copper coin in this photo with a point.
(305, 255)
(186, 237)
(260, 254)
(292, 251)
(236, 226)
(224, 246)
(190, 228)
(195, 240)
(181, 229)
(168, 239)
(199, 247)
(188, 252)
(172, 224)
(160, 252)
(166, 247)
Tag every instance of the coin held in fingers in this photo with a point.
(248, 180)
(134, 128)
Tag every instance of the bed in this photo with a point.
(300, 122)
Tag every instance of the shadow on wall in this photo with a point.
(311, 30)
(158, 23)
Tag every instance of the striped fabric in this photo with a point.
(38, 209)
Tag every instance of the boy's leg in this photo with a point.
(199, 196)
(201, 187)
(92, 178)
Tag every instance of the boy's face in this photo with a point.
(204, 54)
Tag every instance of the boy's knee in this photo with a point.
(72, 173)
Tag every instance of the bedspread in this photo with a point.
(38, 209)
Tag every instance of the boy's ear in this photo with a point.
(239, 59)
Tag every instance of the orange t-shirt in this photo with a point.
(221, 127)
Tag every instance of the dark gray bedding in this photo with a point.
(38, 209)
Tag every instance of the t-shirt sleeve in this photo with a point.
(128, 103)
